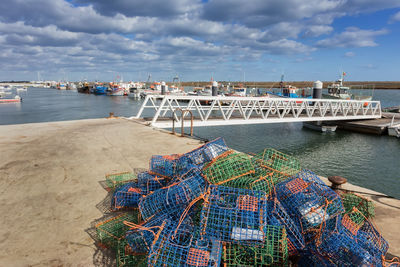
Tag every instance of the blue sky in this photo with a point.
(253, 40)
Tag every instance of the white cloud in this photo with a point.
(349, 54)
(317, 30)
(352, 37)
(395, 18)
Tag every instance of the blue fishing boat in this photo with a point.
(100, 90)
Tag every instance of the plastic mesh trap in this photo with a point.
(111, 231)
(273, 252)
(261, 180)
(372, 240)
(227, 167)
(280, 217)
(234, 215)
(181, 247)
(353, 220)
(164, 165)
(306, 198)
(175, 196)
(148, 182)
(342, 249)
(278, 161)
(364, 205)
(117, 179)
(207, 152)
(126, 196)
(126, 258)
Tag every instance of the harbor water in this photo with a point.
(366, 160)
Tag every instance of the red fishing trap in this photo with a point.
(216, 207)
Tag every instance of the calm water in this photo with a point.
(367, 160)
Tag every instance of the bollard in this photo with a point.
(214, 88)
(163, 92)
(337, 181)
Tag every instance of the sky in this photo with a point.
(230, 40)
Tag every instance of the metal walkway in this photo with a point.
(216, 111)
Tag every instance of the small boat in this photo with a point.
(61, 86)
(16, 99)
(115, 90)
(318, 126)
(134, 92)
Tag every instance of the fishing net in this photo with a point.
(111, 231)
(272, 252)
(117, 179)
(365, 206)
(228, 167)
(175, 196)
(126, 196)
(278, 161)
(234, 215)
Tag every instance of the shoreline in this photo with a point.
(51, 175)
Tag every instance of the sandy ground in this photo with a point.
(51, 192)
(50, 174)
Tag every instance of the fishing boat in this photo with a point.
(115, 90)
(71, 86)
(290, 91)
(61, 86)
(338, 91)
(239, 90)
(84, 88)
(100, 89)
(294, 92)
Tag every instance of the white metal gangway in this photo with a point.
(224, 110)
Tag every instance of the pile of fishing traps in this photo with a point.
(214, 206)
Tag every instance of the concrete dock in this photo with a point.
(50, 182)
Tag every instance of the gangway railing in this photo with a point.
(221, 110)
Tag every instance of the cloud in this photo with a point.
(349, 54)
(352, 37)
(259, 13)
(317, 30)
(142, 8)
(395, 18)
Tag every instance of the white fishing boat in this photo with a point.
(71, 86)
(115, 90)
(338, 91)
